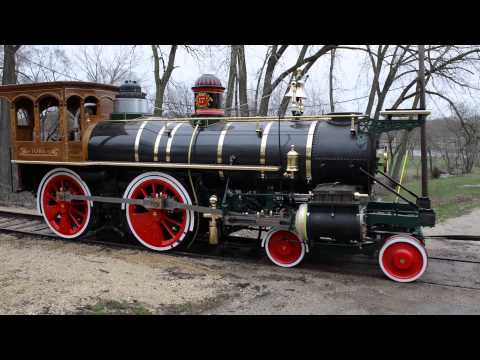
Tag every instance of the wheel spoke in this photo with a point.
(74, 220)
(76, 211)
(160, 234)
(50, 212)
(65, 225)
(51, 197)
(170, 220)
(144, 192)
(172, 234)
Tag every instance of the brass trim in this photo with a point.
(263, 145)
(221, 139)
(249, 118)
(169, 142)
(157, 142)
(214, 167)
(137, 140)
(308, 151)
(86, 138)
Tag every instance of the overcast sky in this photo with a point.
(351, 74)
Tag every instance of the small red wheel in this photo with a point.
(403, 258)
(158, 229)
(284, 248)
(67, 219)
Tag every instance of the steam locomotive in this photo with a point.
(306, 180)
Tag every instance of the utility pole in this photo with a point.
(423, 133)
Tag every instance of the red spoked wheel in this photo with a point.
(284, 248)
(158, 229)
(403, 258)
(68, 219)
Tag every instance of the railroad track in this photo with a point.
(29, 222)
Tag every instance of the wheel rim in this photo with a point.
(66, 218)
(403, 259)
(284, 248)
(155, 228)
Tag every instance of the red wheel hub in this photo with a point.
(284, 247)
(157, 228)
(68, 218)
(402, 260)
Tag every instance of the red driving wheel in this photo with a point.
(68, 219)
(158, 229)
(284, 248)
(403, 258)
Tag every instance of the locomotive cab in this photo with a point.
(49, 122)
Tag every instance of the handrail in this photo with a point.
(248, 118)
(405, 113)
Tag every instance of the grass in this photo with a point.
(450, 197)
(113, 307)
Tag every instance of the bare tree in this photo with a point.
(100, 67)
(330, 80)
(43, 64)
(178, 101)
(9, 76)
(232, 77)
(259, 78)
(237, 82)
(276, 52)
(242, 81)
(163, 67)
(398, 65)
(285, 101)
(464, 126)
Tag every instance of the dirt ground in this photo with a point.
(468, 224)
(59, 277)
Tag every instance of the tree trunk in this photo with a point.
(267, 80)
(161, 82)
(330, 80)
(259, 79)
(236, 99)
(285, 100)
(232, 75)
(8, 77)
(242, 80)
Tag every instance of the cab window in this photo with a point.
(50, 120)
(74, 123)
(24, 119)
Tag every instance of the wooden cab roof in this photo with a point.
(58, 88)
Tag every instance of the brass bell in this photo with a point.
(292, 162)
(297, 91)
